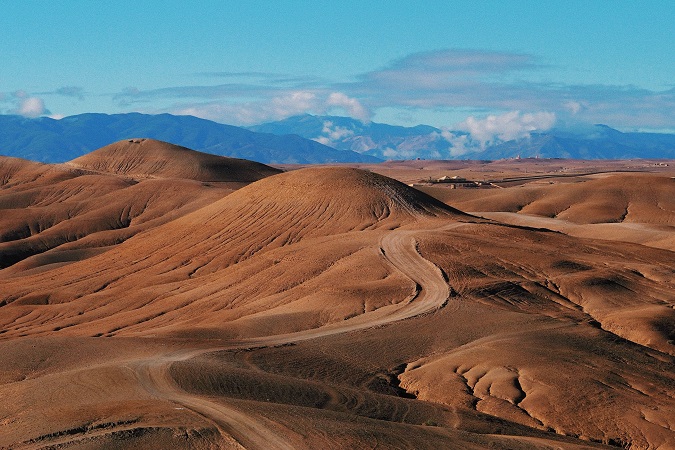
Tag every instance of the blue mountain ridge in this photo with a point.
(395, 142)
(53, 141)
(309, 139)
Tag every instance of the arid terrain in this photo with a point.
(155, 297)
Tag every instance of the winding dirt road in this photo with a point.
(237, 428)
(399, 248)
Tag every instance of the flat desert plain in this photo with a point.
(155, 297)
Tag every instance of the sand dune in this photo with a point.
(328, 307)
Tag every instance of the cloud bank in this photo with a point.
(276, 107)
(476, 80)
(443, 81)
(475, 133)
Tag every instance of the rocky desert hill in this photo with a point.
(325, 307)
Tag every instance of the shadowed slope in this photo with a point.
(91, 211)
(152, 158)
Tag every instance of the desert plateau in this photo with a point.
(156, 297)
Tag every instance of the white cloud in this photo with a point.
(456, 79)
(331, 134)
(508, 126)
(22, 103)
(323, 140)
(233, 113)
(391, 153)
(493, 129)
(249, 113)
(574, 107)
(281, 106)
(460, 144)
(293, 103)
(351, 106)
(446, 81)
(31, 107)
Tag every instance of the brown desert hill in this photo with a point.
(91, 212)
(604, 198)
(70, 211)
(152, 158)
(629, 207)
(337, 308)
(328, 207)
(330, 200)
(283, 209)
(15, 172)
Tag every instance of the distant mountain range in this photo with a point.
(593, 142)
(375, 139)
(48, 140)
(309, 139)
(426, 142)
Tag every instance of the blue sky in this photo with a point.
(533, 64)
